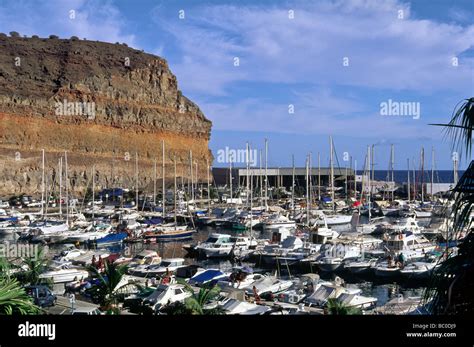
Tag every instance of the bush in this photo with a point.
(74, 38)
(53, 37)
(14, 34)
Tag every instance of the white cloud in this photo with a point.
(92, 20)
(383, 51)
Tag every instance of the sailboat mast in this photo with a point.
(230, 179)
(93, 193)
(392, 167)
(60, 171)
(208, 188)
(293, 184)
(369, 183)
(163, 178)
(66, 187)
(432, 169)
(247, 174)
(408, 180)
(455, 169)
(415, 193)
(261, 178)
(136, 180)
(307, 190)
(355, 175)
(332, 172)
(191, 174)
(310, 164)
(175, 194)
(42, 184)
(422, 174)
(319, 177)
(251, 206)
(266, 174)
(154, 183)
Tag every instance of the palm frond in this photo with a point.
(461, 125)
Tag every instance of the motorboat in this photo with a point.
(207, 277)
(301, 289)
(224, 249)
(386, 269)
(214, 239)
(270, 252)
(360, 267)
(418, 270)
(277, 221)
(329, 290)
(331, 220)
(233, 306)
(242, 282)
(165, 266)
(413, 246)
(145, 257)
(356, 300)
(168, 233)
(268, 284)
(166, 294)
(408, 224)
(64, 275)
(329, 264)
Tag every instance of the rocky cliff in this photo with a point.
(103, 104)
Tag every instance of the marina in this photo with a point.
(260, 248)
(195, 172)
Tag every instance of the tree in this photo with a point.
(461, 125)
(336, 307)
(13, 298)
(32, 267)
(104, 293)
(196, 303)
(452, 284)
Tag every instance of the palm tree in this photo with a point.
(452, 284)
(461, 125)
(104, 293)
(13, 298)
(32, 267)
(336, 307)
(196, 303)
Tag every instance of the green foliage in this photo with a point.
(104, 293)
(13, 298)
(461, 125)
(336, 307)
(195, 304)
(452, 283)
(32, 268)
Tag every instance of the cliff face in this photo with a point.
(101, 103)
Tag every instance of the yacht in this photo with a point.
(166, 265)
(268, 284)
(224, 249)
(418, 270)
(413, 246)
(360, 267)
(64, 275)
(277, 221)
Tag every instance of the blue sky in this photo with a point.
(396, 50)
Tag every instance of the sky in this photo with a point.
(295, 72)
